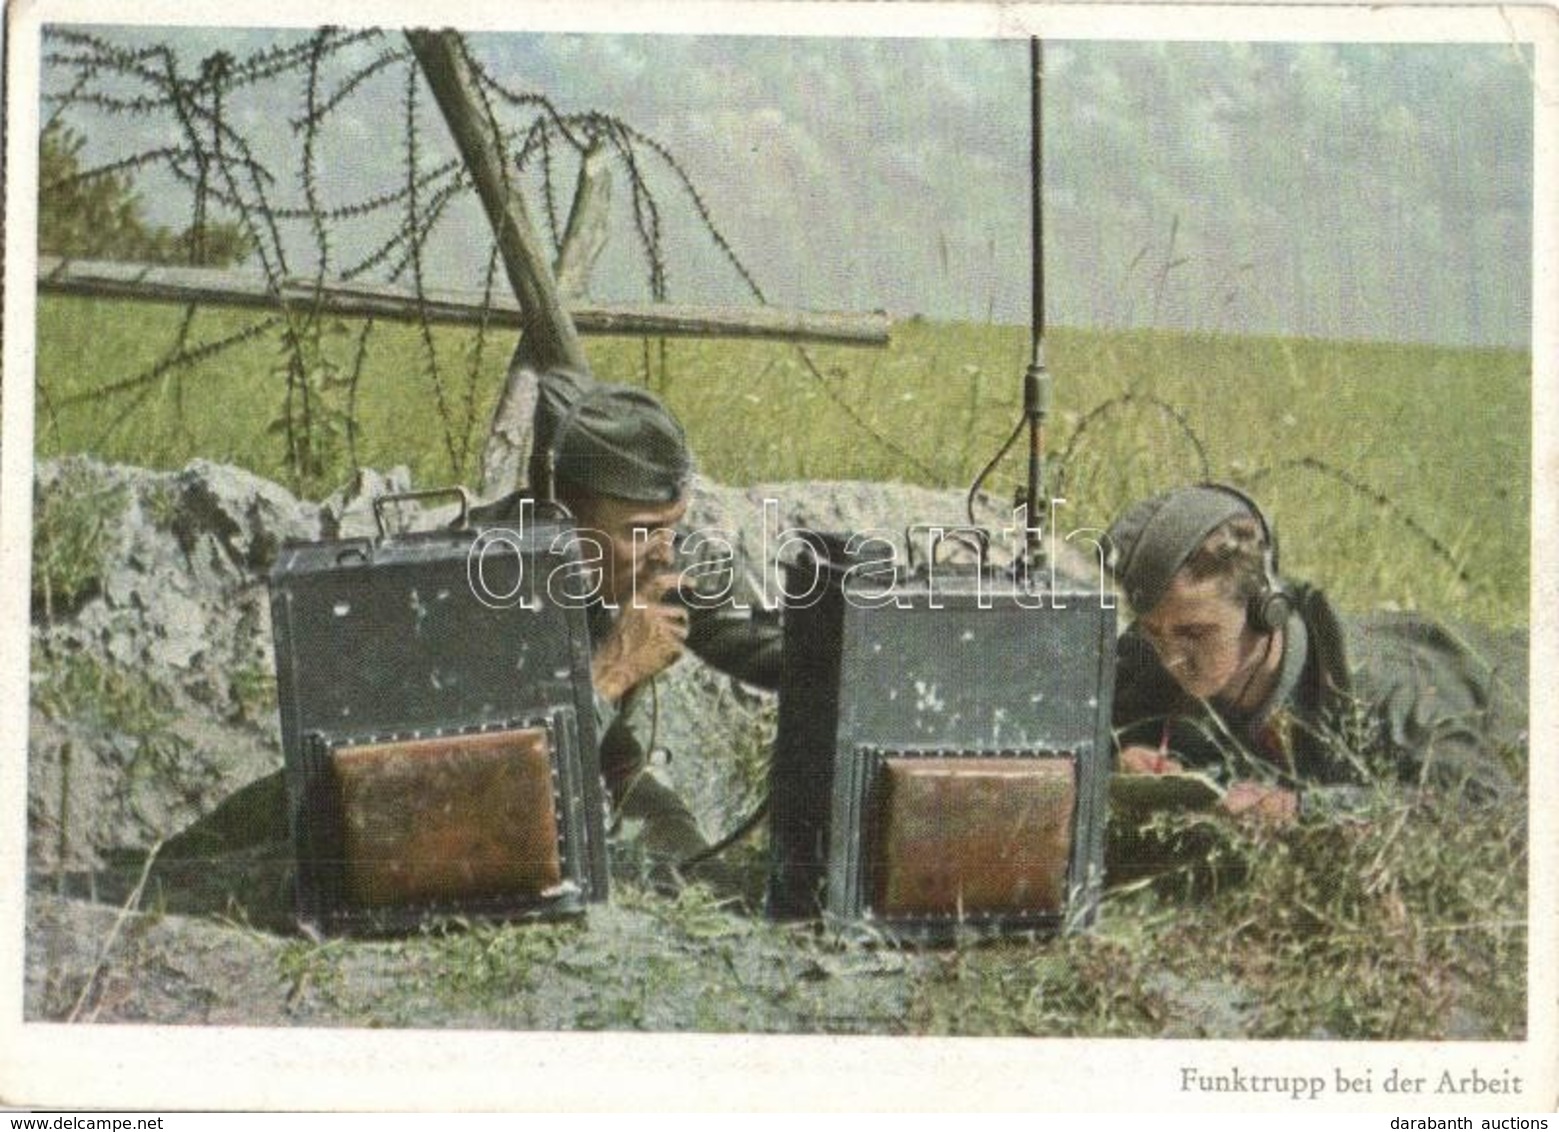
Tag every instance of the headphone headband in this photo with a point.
(1268, 535)
(1269, 607)
(1153, 540)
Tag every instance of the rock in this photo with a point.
(158, 682)
(349, 513)
(248, 516)
(165, 672)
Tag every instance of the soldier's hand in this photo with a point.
(1254, 801)
(648, 637)
(1146, 760)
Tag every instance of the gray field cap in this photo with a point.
(610, 439)
(1154, 538)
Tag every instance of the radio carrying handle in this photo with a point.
(455, 490)
(977, 539)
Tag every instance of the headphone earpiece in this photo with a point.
(1269, 607)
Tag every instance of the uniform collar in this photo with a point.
(1296, 649)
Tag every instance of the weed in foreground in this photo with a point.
(1090, 985)
(1404, 920)
(71, 537)
(140, 711)
(308, 968)
(482, 963)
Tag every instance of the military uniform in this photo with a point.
(738, 637)
(1359, 698)
(607, 440)
(621, 442)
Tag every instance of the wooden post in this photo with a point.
(585, 235)
(252, 290)
(548, 338)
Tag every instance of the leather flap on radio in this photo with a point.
(972, 836)
(448, 818)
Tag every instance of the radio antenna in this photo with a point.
(1036, 380)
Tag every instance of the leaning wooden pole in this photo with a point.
(548, 337)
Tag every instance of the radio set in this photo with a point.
(942, 756)
(943, 750)
(940, 765)
(440, 748)
(941, 762)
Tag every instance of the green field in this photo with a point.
(1391, 471)
(1396, 474)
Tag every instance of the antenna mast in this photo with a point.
(1036, 380)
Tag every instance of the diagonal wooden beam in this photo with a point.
(584, 238)
(549, 335)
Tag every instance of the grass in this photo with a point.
(134, 709)
(71, 525)
(78, 685)
(253, 692)
(1391, 471)
(1406, 921)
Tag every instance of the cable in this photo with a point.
(979, 480)
(743, 828)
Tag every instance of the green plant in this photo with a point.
(160, 500)
(748, 755)
(312, 418)
(99, 213)
(71, 536)
(755, 414)
(484, 962)
(1393, 922)
(253, 689)
(136, 711)
(308, 967)
(79, 685)
(694, 913)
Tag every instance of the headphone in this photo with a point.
(1269, 607)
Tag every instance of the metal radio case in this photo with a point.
(943, 748)
(441, 750)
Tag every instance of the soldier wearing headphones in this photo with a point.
(1230, 670)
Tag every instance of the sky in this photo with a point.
(1369, 191)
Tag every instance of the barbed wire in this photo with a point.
(236, 169)
(1375, 495)
(219, 160)
(188, 357)
(1352, 481)
(475, 357)
(1064, 462)
(414, 250)
(583, 132)
(386, 59)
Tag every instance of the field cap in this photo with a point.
(609, 439)
(1155, 537)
